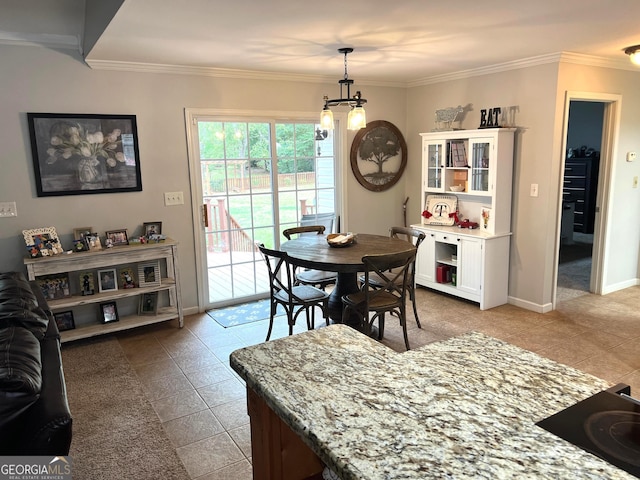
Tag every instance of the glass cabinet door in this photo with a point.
(434, 167)
(480, 165)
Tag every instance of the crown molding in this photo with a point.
(221, 72)
(69, 42)
(561, 57)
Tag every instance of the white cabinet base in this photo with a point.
(480, 263)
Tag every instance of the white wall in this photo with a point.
(36, 79)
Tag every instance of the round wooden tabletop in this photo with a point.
(313, 251)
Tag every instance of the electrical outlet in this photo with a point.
(8, 209)
(173, 198)
(534, 190)
(631, 156)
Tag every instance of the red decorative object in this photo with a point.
(427, 214)
(466, 223)
(454, 215)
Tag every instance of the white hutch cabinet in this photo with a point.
(468, 263)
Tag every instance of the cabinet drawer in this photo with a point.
(446, 237)
(575, 169)
(575, 182)
(573, 195)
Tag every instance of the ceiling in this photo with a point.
(399, 42)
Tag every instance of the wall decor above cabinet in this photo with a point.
(378, 155)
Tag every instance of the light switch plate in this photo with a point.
(8, 209)
(173, 198)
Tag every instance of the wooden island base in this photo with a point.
(277, 452)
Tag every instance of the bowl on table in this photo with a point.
(456, 188)
(338, 240)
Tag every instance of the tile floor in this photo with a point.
(202, 402)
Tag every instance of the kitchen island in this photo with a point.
(461, 408)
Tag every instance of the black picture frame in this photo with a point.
(148, 304)
(152, 228)
(109, 312)
(80, 154)
(380, 144)
(64, 320)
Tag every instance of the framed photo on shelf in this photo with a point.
(93, 242)
(126, 278)
(42, 242)
(81, 232)
(148, 304)
(109, 312)
(152, 228)
(458, 154)
(107, 280)
(149, 274)
(117, 237)
(64, 320)
(87, 285)
(54, 286)
(64, 165)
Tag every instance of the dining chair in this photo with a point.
(295, 299)
(316, 278)
(387, 295)
(416, 237)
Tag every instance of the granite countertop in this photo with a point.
(461, 408)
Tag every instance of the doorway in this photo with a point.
(591, 123)
(579, 194)
(252, 177)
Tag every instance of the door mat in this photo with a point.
(243, 314)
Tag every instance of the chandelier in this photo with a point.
(634, 54)
(357, 117)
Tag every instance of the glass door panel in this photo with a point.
(257, 179)
(435, 160)
(480, 158)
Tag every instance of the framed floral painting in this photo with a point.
(77, 154)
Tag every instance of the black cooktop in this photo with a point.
(606, 425)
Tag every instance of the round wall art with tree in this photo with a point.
(378, 155)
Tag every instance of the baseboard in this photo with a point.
(620, 286)
(534, 307)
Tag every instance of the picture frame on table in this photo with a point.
(148, 304)
(63, 166)
(42, 242)
(152, 228)
(107, 280)
(126, 278)
(64, 320)
(109, 312)
(93, 242)
(149, 274)
(54, 286)
(80, 232)
(117, 237)
(87, 283)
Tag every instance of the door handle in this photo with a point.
(205, 215)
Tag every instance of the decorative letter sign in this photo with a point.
(489, 118)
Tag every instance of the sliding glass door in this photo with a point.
(257, 177)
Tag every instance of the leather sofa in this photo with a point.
(34, 412)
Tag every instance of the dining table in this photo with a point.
(314, 251)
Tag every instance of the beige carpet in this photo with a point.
(116, 433)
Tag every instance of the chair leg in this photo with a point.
(412, 295)
(273, 309)
(403, 322)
